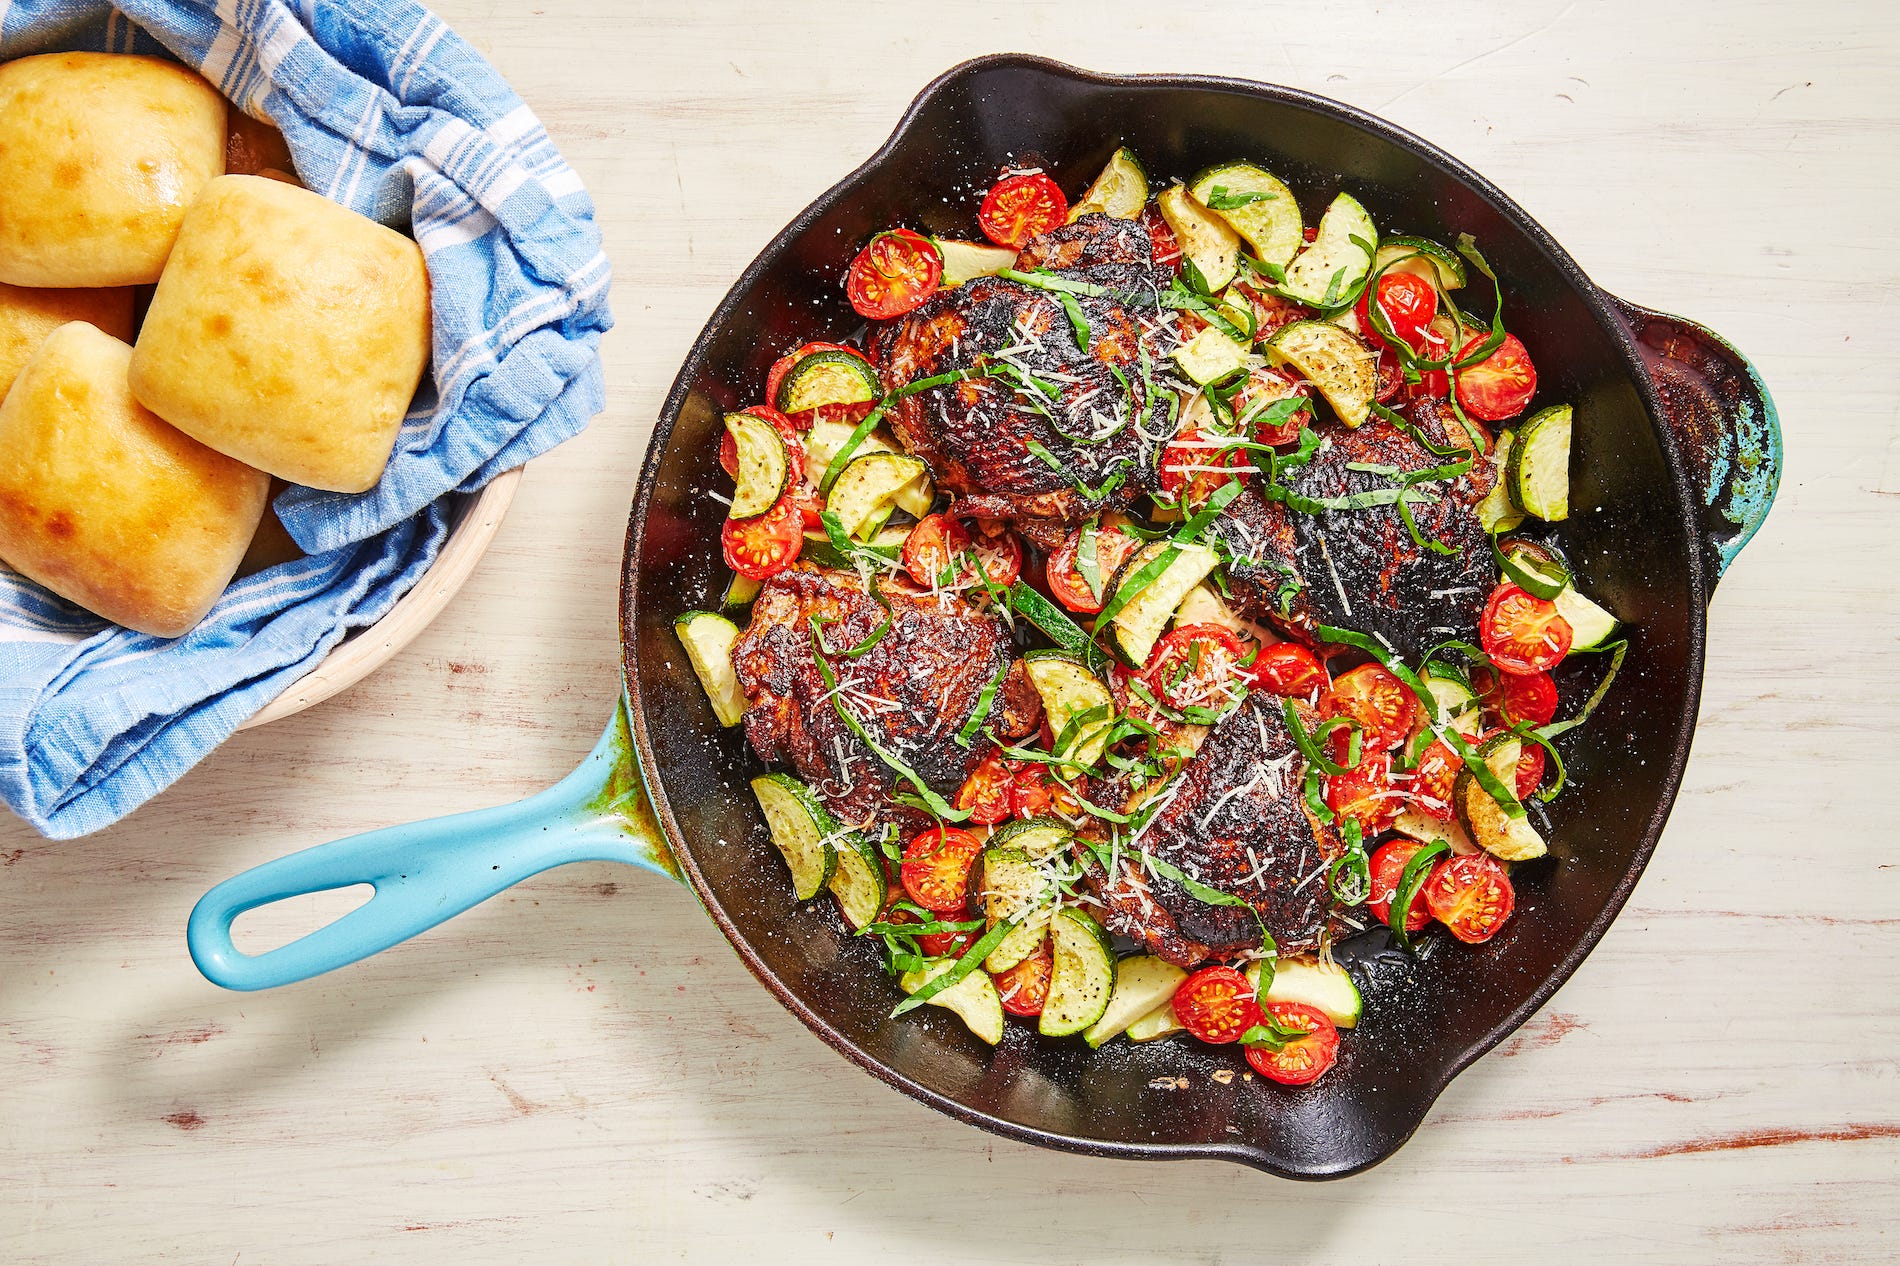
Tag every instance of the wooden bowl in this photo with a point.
(472, 528)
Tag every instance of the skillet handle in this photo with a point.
(1724, 421)
(425, 873)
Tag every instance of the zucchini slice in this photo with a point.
(801, 829)
(1457, 702)
(1506, 838)
(1014, 887)
(1121, 190)
(859, 881)
(1143, 984)
(764, 465)
(1421, 257)
(964, 261)
(708, 640)
(1498, 512)
(827, 378)
(1327, 274)
(1540, 464)
(869, 488)
(974, 998)
(740, 591)
(1070, 692)
(1258, 206)
(1158, 1023)
(1139, 623)
(1423, 827)
(1038, 837)
(1206, 239)
(1590, 625)
(1325, 986)
(1084, 974)
(1210, 356)
(1345, 370)
(824, 441)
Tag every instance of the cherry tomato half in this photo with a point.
(1432, 384)
(893, 274)
(1388, 867)
(783, 365)
(1193, 666)
(1408, 303)
(1433, 780)
(1301, 1060)
(936, 869)
(937, 552)
(1387, 712)
(1034, 791)
(1530, 764)
(985, 793)
(1514, 697)
(1216, 1004)
(1195, 463)
(999, 552)
(763, 547)
(1167, 247)
(1500, 385)
(1289, 670)
(1522, 633)
(1262, 389)
(1020, 207)
(1064, 573)
(1470, 895)
(1365, 792)
(1024, 988)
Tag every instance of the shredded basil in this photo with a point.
(984, 702)
(1417, 870)
(1617, 650)
(967, 962)
(1219, 199)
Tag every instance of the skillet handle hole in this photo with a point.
(277, 924)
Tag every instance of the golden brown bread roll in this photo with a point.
(288, 332)
(100, 155)
(27, 316)
(108, 506)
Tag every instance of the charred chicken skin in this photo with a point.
(1360, 568)
(980, 436)
(1235, 819)
(911, 692)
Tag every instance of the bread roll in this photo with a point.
(28, 316)
(100, 155)
(288, 332)
(108, 506)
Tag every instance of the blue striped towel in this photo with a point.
(388, 112)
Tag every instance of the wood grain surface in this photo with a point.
(581, 1070)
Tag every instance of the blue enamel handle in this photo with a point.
(425, 873)
(1723, 419)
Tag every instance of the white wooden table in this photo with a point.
(581, 1071)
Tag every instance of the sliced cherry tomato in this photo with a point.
(1020, 207)
(1387, 712)
(1388, 867)
(998, 551)
(1433, 780)
(1500, 385)
(763, 547)
(1301, 1060)
(936, 553)
(1522, 633)
(1130, 704)
(936, 870)
(1064, 573)
(1514, 697)
(1530, 763)
(1432, 384)
(939, 944)
(1195, 463)
(1310, 233)
(985, 793)
(1262, 389)
(1024, 988)
(895, 272)
(1470, 895)
(1365, 792)
(1167, 247)
(783, 365)
(1390, 377)
(1216, 1004)
(1408, 303)
(1289, 670)
(1035, 792)
(1194, 666)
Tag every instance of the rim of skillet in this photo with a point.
(1237, 1151)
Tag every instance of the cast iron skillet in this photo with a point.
(1677, 458)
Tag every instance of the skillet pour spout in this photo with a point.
(1677, 455)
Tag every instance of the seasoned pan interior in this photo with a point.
(1629, 536)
